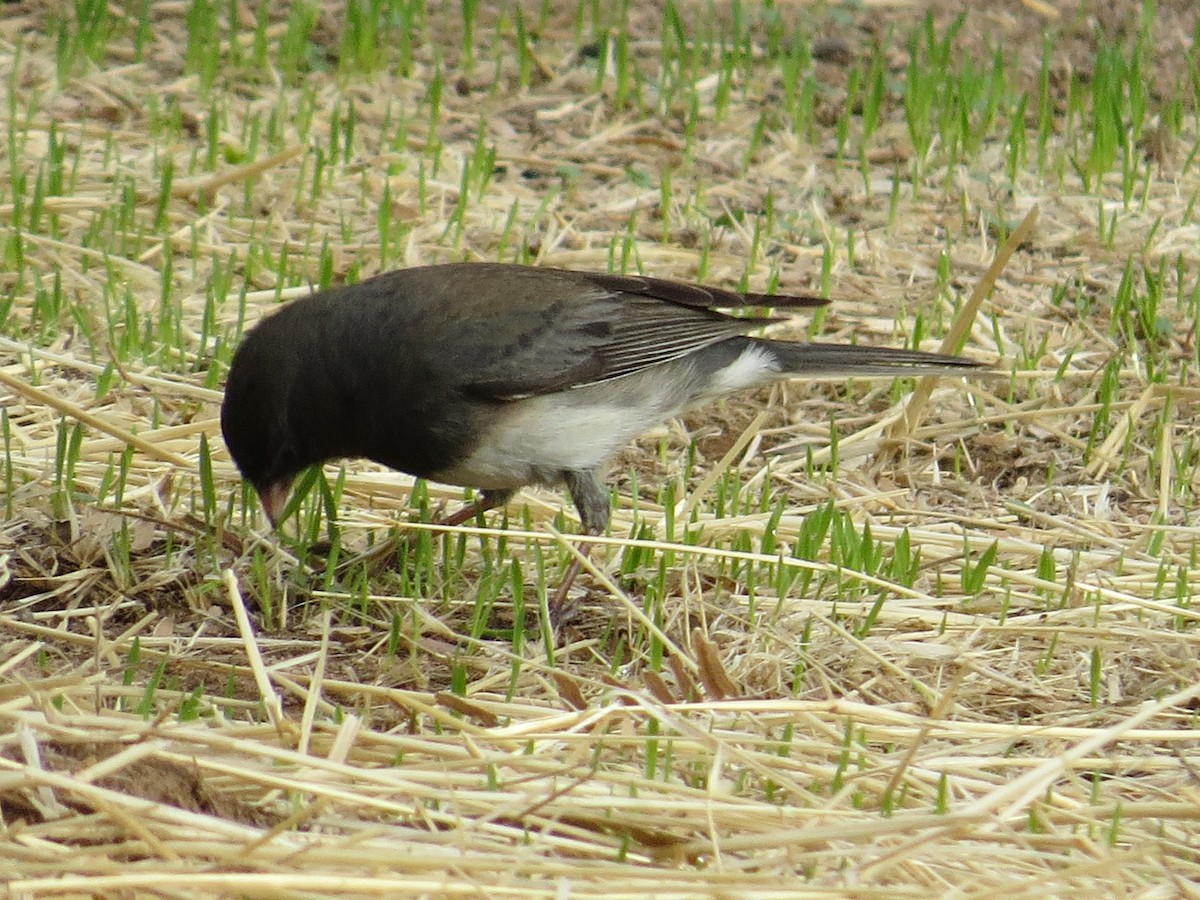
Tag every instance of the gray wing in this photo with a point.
(570, 329)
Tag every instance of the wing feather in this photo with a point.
(569, 329)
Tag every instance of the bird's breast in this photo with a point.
(536, 439)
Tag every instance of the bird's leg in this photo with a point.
(592, 500)
(487, 500)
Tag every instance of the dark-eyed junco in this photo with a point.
(497, 376)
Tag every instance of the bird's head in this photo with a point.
(257, 423)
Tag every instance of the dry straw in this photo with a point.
(189, 708)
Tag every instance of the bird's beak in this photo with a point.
(274, 499)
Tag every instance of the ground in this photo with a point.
(840, 638)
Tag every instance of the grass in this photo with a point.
(840, 636)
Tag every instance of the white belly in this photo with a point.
(541, 437)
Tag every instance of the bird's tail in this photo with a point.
(828, 360)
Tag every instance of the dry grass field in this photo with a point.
(868, 638)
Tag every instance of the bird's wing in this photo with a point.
(571, 329)
(700, 296)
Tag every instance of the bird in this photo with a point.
(496, 376)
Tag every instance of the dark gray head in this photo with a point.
(257, 419)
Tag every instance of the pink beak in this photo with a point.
(274, 499)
